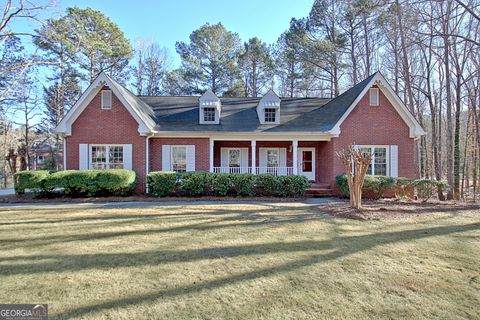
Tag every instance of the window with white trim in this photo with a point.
(270, 115)
(234, 158)
(374, 97)
(106, 99)
(106, 157)
(272, 158)
(179, 158)
(379, 164)
(209, 114)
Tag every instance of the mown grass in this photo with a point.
(239, 262)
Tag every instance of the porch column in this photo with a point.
(253, 144)
(295, 156)
(211, 154)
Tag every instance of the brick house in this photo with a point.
(110, 127)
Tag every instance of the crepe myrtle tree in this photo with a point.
(356, 164)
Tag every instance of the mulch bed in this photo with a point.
(397, 209)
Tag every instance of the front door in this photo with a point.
(306, 163)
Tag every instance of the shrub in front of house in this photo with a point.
(79, 183)
(223, 184)
(267, 184)
(162, 183)
(219, 184)
(194, 183)
(292, 186)
(374, 187)
(32, 180)
(243, 184)
(426, 188)
(117, 182)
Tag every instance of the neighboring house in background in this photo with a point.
(42, 156)
(110, 127)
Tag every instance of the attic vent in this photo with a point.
(374, 100)
(106, 99)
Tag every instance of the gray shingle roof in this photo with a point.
(240, 115)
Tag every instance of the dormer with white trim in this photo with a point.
(209, 108)
(268, 108)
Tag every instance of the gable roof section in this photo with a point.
(239, 115)
(361, 89)
(139, 110)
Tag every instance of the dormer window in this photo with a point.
(209, 114)
(209, 106)
(270, 115)
(268, 108)
(374, 99)
(106, 99)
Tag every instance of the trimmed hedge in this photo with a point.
(118, 182)
(162, 183)
(29, 180)
(222, 184)
(376, 186)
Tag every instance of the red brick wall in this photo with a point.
(380, 125)
(114, 126)
(202, 153)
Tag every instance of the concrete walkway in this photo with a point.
(145, 204)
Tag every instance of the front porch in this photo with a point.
(280, 158)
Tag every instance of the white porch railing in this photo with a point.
(276, 171)
(232, 169)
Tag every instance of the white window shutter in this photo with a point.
(263, 157)
(191, 158)
(127, 157)
(224, 157)
(244, 160)
(394, 160)
(83, 156)
(166, 158)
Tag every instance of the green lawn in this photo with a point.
(240, 262)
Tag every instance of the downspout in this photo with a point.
(64, 153)
(147, 160)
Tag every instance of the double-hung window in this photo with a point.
(106, 157)
(179, 158)
(379, 164)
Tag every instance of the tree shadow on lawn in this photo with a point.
(237, 218)
(344, 246)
